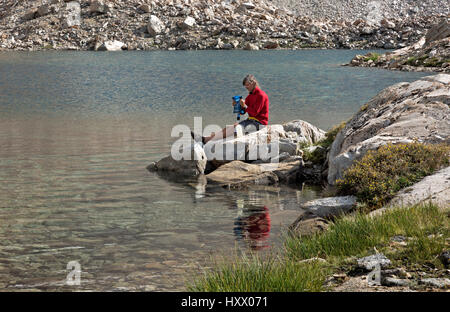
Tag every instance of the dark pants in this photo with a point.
(251, 125)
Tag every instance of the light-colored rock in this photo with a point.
(434, 188)
(371, 262)
(72, 15)
(248, 5)
(401, 113)
(330, 206)
(397, 282)
(188, 23)
(112, 45)
(306, 132)
(253, 146)
(251, 47)
(155, 26)
(238, 174)
(436, 282)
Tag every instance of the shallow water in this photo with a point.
(77, 130)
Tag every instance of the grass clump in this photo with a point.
(372, 56)
(356, 235)
(255, 274)
(380, 174)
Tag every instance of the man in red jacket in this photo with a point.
(256, 104)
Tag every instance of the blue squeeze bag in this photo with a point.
(237, 107)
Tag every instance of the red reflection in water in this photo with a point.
(255, 228)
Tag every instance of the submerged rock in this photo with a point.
(193, 166)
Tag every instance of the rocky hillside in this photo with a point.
(372, 9)
(431, 53)
(208, 24)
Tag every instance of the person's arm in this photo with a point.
(256, 108)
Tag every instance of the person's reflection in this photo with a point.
(253, 226)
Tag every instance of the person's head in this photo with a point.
(250, 83)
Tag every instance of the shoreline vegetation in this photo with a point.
(413, 238)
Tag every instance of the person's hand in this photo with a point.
(243, 106)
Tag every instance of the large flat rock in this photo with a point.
(401, 113)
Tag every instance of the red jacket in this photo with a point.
(258, 105)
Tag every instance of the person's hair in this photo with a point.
(250, 78)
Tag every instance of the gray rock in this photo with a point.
(398, 239)
(72, 15)
(437, 32)
(155, 26)
(193, 166)
(371, 262)
(436, 282)
(252, 146)
(99, 6)
(251, 47)
(145, 8)
(43, 10)
(288, 147)
(397, 282)
(30, 14)
(433, 188)
(330, 206)
(306, 132)
(308, 224)
(238, 174)
(188, 23)
(112, 45)
(248, 5)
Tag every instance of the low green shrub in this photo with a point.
(380, 174)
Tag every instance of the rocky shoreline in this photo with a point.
(430, 53)
(205, 24)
